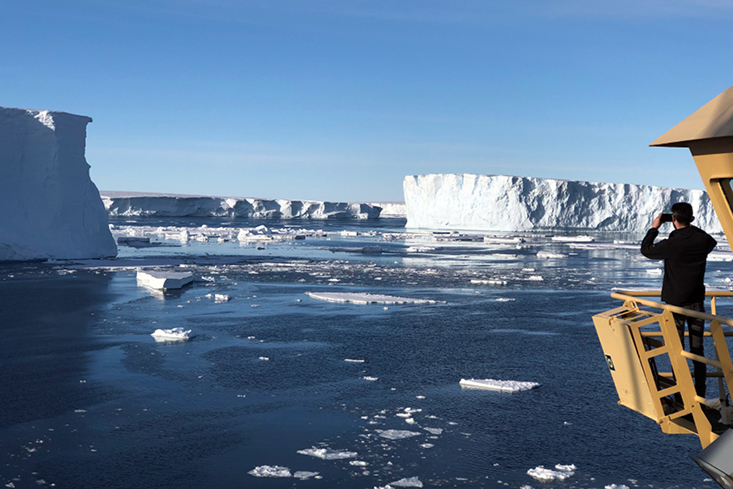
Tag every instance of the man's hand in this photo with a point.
(657, 221)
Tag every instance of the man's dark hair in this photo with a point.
(682, 212)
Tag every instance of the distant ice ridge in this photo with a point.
(50, 207)
(505, 203)
(137, 204)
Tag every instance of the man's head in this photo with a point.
(682, 214)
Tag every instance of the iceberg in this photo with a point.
(506, 203)
(136, 204)
(51, 209)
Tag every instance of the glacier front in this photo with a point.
(50, 206)
(507, 203)
(140, 204)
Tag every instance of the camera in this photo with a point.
(666, 218)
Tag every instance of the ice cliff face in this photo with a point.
(49, 207)
(157, 205)
(504, 203)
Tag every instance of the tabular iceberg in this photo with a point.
(506, 203)
(163, 205)
(50, 206)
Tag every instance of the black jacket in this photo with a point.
(684, 253)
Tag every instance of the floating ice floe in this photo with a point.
(174, 334)
(488, 282)
(504, 299)
(305, 475)
(358, 463)
(546, 255)
(221, 298)
(574, 239)
(434, 431)
(365, 298)
(409, 482)
(499, 385)
(133, 241)
(164, 280)
(614, 486)
(397, 434)
(370, 379)
(327, 454)
(561, 472)
(353, 360)
(270, 471)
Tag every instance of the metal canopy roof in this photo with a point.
(712, 120)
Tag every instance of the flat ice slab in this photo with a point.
(174, 334)
(164, 280)
(499, 385)
(363, 298)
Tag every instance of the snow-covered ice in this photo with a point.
(470, 202)
(365, 298)
(164, 280)
(327, 453)
(51, 209)
(499, 385)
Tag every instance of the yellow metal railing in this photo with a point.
(628, 335)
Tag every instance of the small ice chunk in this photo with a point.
(304, 475)
(353, 360)
(164, 280)
(410, 482)
(358, 463)
(265, 359)
(545, 475)
(173, 334)
(434, 431)
(270, 471)
(504, 299)
(535, 278)
(409, 421)
(427, 445)
(396, 434)
(499, 385)
(657, 272)
(370, 379)
(221, 298)
(327, 454)
(621, 486)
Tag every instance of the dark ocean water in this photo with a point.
(90, 400)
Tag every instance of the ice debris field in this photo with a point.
(359, 354)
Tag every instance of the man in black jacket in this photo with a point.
(685, 254)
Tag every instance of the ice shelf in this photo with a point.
(164, 280)
(171, 205)
(506, 203)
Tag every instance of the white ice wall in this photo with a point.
(161, 205)
(505, 203)
(49, 207)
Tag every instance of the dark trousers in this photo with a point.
(696, 328)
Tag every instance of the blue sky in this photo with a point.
(339, 100)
